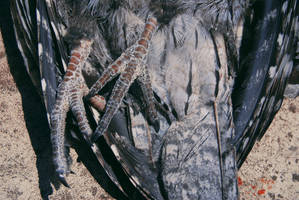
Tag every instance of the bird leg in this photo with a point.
(70, 97)
(146, 87)
(130, 65)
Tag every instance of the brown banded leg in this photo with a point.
(136, 52)
(59, 149)
(69, 96)
(112, 71)
(119, 91)
(130, 65)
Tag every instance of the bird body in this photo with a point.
(190, 73)
(194, 61)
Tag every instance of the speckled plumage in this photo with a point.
(172, 57)
(193, 62)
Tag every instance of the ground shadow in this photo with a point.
(34, 112)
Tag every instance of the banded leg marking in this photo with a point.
(69, 95)
(130, 65)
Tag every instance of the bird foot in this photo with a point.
(70, 97)
(131, 65)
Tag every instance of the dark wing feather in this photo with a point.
(267, 54)
(48, 56)
(23, 16)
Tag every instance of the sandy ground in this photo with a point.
(270, 172)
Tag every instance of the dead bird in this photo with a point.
(200, 80)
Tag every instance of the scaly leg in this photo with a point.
(145, 84)
(130, 65)
(69, 96)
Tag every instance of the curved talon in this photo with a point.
(69, 96)
(62, 180)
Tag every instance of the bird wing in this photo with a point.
(266, 60)
(23, 15)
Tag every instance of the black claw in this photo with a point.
(62, 180)
(156, 125)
